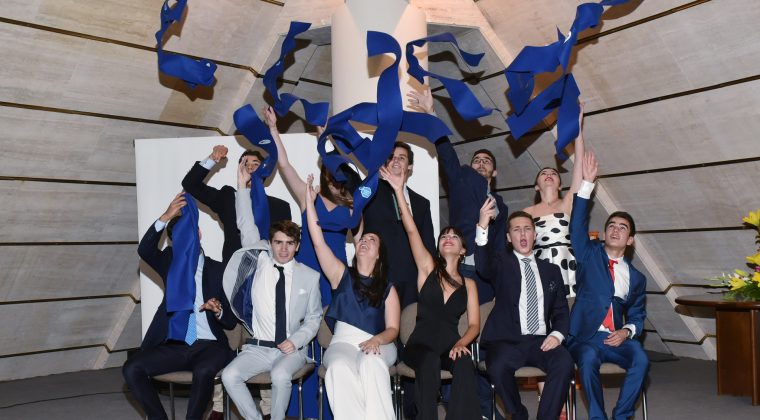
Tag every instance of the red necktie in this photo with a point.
(608, 323)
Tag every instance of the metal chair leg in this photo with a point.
(300, 399)
(226, 399)
(321, 399)
(171, 398)
(493, 402)
(573, 396)
(644, 402)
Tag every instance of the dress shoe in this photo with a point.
(216, 415)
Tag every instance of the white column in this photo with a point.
(354, 76)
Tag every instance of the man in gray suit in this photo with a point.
(278, 301)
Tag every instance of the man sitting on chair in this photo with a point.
(530, 317)
(609, 289)
(181, 340)
(278, 301)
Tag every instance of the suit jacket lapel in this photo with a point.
(515, 283)
(295, 287)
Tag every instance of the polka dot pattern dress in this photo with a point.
(553, 245)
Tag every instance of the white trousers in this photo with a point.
(253, 360)
(358, 385)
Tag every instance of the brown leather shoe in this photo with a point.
(216, 415)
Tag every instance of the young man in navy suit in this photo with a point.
(530, 317)
(609, 290)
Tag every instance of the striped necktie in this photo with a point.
(532, 298)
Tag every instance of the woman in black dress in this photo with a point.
(444, 295)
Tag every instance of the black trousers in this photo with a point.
(504, 358)
(205, 358)
(463, 404)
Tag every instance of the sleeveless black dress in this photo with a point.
(427, 352)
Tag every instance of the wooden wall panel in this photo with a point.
(49, 272)
(50, 212)
(40, 144)
(58, 325)
(48, 363)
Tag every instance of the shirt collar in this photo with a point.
(520, 256)
(288, 265)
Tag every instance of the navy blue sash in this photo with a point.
(180, 281)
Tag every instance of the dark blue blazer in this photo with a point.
(212, 288)
(467, 193)
(502, 268)
(595, 289)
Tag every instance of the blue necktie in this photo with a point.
(192, 330)
(280, 331)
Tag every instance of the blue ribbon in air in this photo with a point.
(464, 101)
(180, 281)
(257, 133)
(193, 72)
(316, 113)
(563, 93)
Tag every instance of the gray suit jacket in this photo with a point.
(305, 302)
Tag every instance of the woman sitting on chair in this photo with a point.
(365, 310)
(435, 344)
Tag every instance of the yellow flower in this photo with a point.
(754, 259)
(736, 283)
(756, 277)
(753, 218)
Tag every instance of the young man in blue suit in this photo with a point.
(530, 318)
(609, 290)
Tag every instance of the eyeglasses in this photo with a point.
(482, 160)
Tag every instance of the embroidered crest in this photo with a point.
(365, 191)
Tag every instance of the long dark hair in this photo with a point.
(375, 292)
(440, 262)
(343, 199)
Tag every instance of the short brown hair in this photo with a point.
(404, 146)
(255, 153)
(287, 227)
(520, 213)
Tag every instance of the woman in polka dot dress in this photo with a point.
(552, 217)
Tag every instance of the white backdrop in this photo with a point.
(160, 165)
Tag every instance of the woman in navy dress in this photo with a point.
(365, 310)
(435, 343)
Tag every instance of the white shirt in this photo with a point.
(264, 295)
(622, 272)
(202, 327)
(481, 239)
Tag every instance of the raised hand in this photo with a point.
(421, 101)
(487, 212)
(175, 208)
(270, 118)
(396, 181)
(311, 191)
(219, 153)
(590, 167)
(243, 175)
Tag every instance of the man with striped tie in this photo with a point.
(530, 318)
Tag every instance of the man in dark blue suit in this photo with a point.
(206, 353)
(609, 290)
(530, 317)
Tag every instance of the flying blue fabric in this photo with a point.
(257, 133)
(193, 72)
(180, 281)
(563, 93)
(464, 101)
(316, 113)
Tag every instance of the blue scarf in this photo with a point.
(193, 72)
(180, 281)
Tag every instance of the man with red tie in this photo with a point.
(609, 308)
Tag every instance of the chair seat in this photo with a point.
(183, 377)
(611, 369)
(266, 378)
(403, 370)
(523, 372)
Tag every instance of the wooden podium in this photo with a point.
(738, 335)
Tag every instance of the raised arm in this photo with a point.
(580, 151)
(473, 322)
(447, 157)
(193, 181)
(148, 248)
(422, 256)
(249, 232)
(292, 179)
(485, 260)
(331, 266)
(579, 217)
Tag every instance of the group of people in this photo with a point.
(528, 262)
